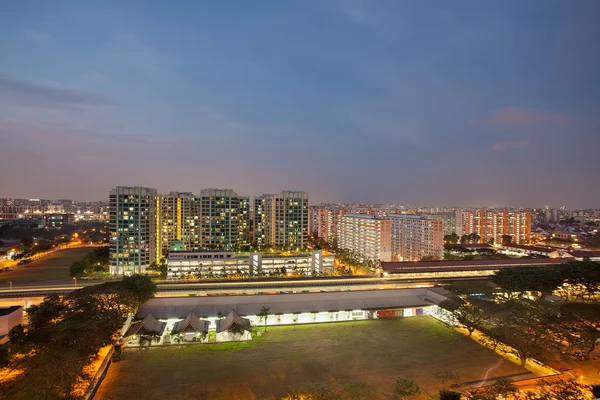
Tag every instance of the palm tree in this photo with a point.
(264, 315)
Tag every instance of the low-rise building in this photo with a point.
(9, 318)
(523, 250)
(182, 264)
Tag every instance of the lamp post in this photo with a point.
(75, 282)
(10, 284)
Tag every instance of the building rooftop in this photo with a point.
(469, 245)
(211, 306)
(458, 265)
(8, 310)
(530, 248)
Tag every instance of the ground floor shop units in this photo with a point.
(298, 308)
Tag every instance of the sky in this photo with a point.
(462, 103)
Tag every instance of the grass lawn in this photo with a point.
(376, 351)
(50, 270)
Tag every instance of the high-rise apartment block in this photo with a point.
(178, 219)
(259, 219)
(132, 229)
(490, 225)
(286, 219)
(145, 226)
(244, 223)
(220, 218)
(452, 221)
(325, 222)
(416, 236)
(367, 235)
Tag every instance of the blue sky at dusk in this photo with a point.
(464, 103)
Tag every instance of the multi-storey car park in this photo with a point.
(182, 264)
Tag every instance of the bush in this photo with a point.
(449, 395)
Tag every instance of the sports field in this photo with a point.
(50, 270)
(376, 352)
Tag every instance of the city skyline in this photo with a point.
(461, 105)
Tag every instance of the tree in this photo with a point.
(502, 388)
(47, 312)
(4, 356)
(582, 278)
(358, 391)
(141, 288)
(237, 329)
(449, 395)
(596, 391)
(264, 315)
(581, 325)
(540, 281)
(17, 334)
(554, 389)
(506, 239)
(453, 238)
(313, 392)
(404, 388)
(527, 326)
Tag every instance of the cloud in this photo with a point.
(19, 93)
(514, 116)
(517, 144)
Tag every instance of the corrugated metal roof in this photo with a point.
(180, 307)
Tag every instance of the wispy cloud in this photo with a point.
(20, 93)
(514, 116)
(503, 146)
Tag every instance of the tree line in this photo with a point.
(47, 359)
(519, 312)
(95, 261)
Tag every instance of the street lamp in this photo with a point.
(75, 282)
(10, 284)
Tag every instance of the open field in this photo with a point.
(377, 352)
(50, 270)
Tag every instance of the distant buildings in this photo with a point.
(366, 235)
(132, 227)
(452, 221)
(178, 219)
(416, 236)
(324, 222)
(220, 218)
(284, 219)
(143, 222)
(491, 224)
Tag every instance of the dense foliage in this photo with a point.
(519, 314)
(47, 360)
(95, 261)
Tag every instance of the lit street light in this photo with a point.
(75, 282)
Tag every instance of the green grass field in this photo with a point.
(50, 270)
(376, 352)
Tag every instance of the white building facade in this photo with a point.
(366, 235)
(209, 264)
(416, 236)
